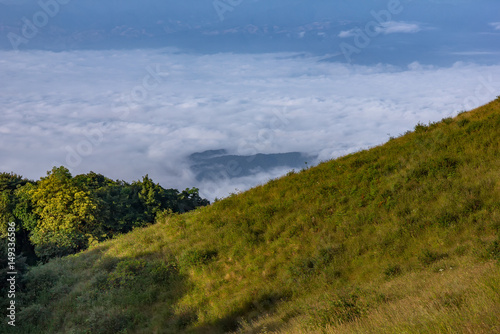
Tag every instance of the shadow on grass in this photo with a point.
(264, 304)
(94, 293)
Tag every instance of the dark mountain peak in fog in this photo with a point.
(214, 165)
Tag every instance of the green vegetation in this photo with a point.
(401, 238)
(61, 214)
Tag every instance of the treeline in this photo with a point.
(61, 214)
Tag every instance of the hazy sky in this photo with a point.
(127, 88)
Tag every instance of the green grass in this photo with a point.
(401, 238)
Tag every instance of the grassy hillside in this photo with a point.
(401, 238)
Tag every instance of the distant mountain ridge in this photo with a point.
(213, 165)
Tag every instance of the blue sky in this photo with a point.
(128, 88)
(428, 31)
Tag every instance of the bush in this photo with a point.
(107, 263)
(196, 257)
(337, 311)
(420, 128)
(494, 250)
(185, 319)
(428, 257)
(474, 126)
(393, 271)
(33, 313)
(447, 218)
(302, 268)
(41, 278)
(305, 267)
(463, 122)
(126, 273)
(162, 272)
(447, 120)
(104, 321)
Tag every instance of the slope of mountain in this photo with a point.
(403, 237)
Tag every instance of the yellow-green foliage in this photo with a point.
(401, 238)
(67, 214)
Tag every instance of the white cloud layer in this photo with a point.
(495, 25)
(129, 113)
(386, 28)
(394, 27)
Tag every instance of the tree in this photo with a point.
(6, 208)
(189, 199)
(15, 208)
(9, 183)
(155, 198)
(121, 208)
(67, 215)
(93, 181)
(61, 214)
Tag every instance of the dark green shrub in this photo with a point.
(419, 172)
(196, 257)
(41, 279)
(494, 250)
(440, 166)
(447, 120)
(337, 311)
(33, 313)
(448, 163)
(463, 122)
(326, 255)
(393, 271)
(107, 263)
(420, 128)
(185, 319)
(99, 281)
(359, 162)
(305, 267)
(447, 218)
(302, 268)
(126, 273)
(162, 272)
(102, 321)
(473, 126)
(461, 250)
(428, 257)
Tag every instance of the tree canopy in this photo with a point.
(61, 214)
